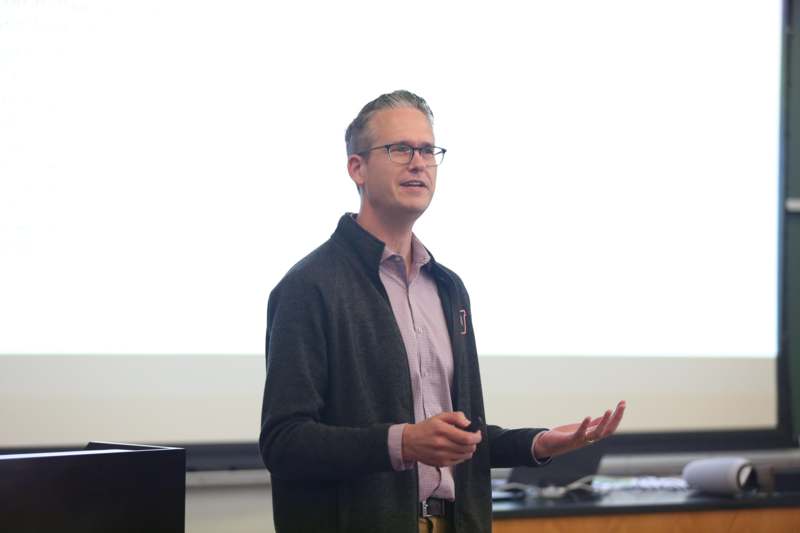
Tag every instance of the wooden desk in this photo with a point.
(651, 512)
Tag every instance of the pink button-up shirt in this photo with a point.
(419, 315)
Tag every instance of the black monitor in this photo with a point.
(562, 470)
(104, 487)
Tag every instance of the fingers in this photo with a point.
(444, 452)
(456, 454)
(439, 458)
(459, 436)
(580, 434)
(598, 431)
(569, 437)
(616, 418)
(456, 441)
(456, 418)
(439, 441)
(597, 420)
(453, 429)
(607, 424)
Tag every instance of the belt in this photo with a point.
(435, 507)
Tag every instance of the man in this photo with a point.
(372, 370)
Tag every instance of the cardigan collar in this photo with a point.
(367, 247)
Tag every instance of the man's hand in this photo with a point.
(563, 439)
(439, 440)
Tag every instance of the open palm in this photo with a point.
(563, 439)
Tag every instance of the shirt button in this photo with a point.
(419, 330)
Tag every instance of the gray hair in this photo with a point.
(357, 137)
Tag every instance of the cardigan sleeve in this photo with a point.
(512, 447)
(294, 442)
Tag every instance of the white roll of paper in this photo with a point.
(720, 475)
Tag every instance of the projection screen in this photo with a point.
(610, 197)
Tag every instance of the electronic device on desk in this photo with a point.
(567, 478)
(503, 491)
(579, 490)
(562, 471)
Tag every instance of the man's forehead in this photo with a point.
(401, 122)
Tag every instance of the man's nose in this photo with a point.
(417, 161)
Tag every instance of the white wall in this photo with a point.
(229, 509)
(63, 400)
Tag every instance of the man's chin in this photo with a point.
(416, 210)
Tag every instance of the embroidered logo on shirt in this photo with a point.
(462, 319)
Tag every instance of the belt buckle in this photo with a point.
(425, 513)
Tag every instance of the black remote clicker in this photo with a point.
(475, 425)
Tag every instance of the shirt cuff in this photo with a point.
(395, 443)
(536, 460)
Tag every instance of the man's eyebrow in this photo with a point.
(425, 144)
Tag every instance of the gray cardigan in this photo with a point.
(337, 378)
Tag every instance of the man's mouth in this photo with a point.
(413, 183)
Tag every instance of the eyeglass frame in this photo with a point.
(414, 149)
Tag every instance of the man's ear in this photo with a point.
(355, 167)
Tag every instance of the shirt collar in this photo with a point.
(419, 253)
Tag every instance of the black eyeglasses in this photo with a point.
(402, 154)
